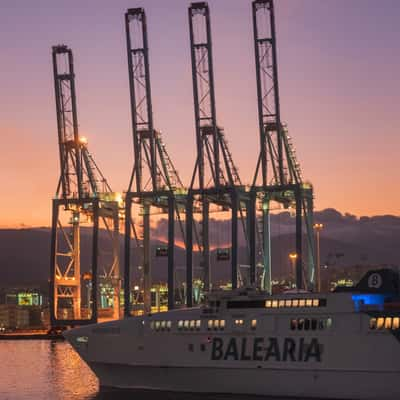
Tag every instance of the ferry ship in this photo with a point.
(337, 345)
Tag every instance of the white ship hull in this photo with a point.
(264, 382)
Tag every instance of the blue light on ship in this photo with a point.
(361, 300)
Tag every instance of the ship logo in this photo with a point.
(375, 281)
(266, 349)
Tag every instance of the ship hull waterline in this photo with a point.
(319, 384)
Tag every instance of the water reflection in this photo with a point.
(69, 374)
(45, 370)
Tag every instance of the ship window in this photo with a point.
(314, 324)
(380, 323)
(372, 323)
(198, 324)
(186, 324)
(388, 323)
(290, 303)
(245, 304)
(180, 325)
(157, 323)
(169, 324)
(239, 322)
(163, 325)
(324, 323)
(310, 324)
(152, 325)
(192, 324)
(216, 324)
(384, 323)
(253, 324)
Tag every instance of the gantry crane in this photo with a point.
(281, 178)
(154, 181)
(84, 197)
(215, 179)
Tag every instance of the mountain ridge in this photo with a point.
(346, 240)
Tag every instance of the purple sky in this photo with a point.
(339, 63)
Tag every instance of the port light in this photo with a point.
(83, 140)
(361, 300)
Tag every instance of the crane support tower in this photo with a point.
(215, 180)
(281, 179)
(83, 198)
(154, 183)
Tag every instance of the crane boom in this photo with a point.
(214, 163)
(67, 123)
(140, 96)
(277, 154)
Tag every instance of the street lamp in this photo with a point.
(293, 258)
(318, 228)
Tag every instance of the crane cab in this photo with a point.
(223, 254)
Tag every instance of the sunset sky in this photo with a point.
(339, 64)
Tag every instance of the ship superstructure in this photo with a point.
(342, 345)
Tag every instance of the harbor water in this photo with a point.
(46, 370)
